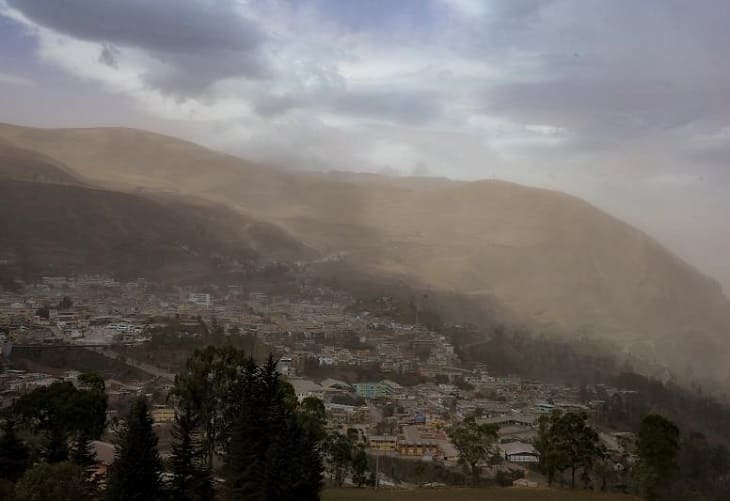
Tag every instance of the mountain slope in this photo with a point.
(50, 222)
(547, 257)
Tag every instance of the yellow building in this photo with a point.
(383, 443)
(162, 414)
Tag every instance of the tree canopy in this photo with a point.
(475, 443)
(658, 446)
(137, 470)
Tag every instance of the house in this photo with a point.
(544, 408)
(370, 390)
(383, 443)
(336, 384)
(305, 388)
(104, 456)
(520, 452)
(162, 414)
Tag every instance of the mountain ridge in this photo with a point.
(549, 257)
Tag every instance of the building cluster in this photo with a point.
(312, 329)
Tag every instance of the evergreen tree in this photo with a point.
(271, 456)
(136, 473)
(55, 449)
(14, 455)
(191, 475)
(82, 455)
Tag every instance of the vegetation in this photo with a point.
(137, 470)
(59, 482)
(191, 474)
(475, 443)
(14, 454)
(272, 455)
(344, 457)
(61, 411)
(658, 448)
(239, 419)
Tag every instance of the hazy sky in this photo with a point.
(624, 102)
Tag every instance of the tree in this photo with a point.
(475, 442)
(658, 446)
(82, 454)
(14, 455)
(61, 411)
(576, 442)
(43, 312)
(313, 418)
(210, 385)
(360, 470)
(552, 458)
(136, 473)
(55, 449)
(191, 476)
(59, 482)
(339, 451)
(271, 455)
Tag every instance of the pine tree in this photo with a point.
(271, 456)
(191, 475)
(14, 455)
(56, 445)
(136, 473)
(82, 455)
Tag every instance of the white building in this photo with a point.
(199, 298)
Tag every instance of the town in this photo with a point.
(397, 388)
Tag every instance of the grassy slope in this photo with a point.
(456, 494)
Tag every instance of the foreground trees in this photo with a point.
(658, 446)
(59, 482)
(345, 457)
(271, 455)
(14, 454)
(475, 443)
(210, 386)
(137, 470)
(233, 410)
(61, 412)
(191, 474)
(567, 442)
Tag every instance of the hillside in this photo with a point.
(25, 165)
(546, 258)
(50, 222)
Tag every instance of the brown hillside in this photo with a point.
(548, 257)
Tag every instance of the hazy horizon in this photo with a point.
(620, 103)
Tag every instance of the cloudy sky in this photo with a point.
(622, 102)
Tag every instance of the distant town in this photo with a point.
(397, 387)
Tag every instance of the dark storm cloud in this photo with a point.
(198, 43)
(609, 71)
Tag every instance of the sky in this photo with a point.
(624, 103)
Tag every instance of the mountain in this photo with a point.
(543, 257)
(25, 165)
(51, 222)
